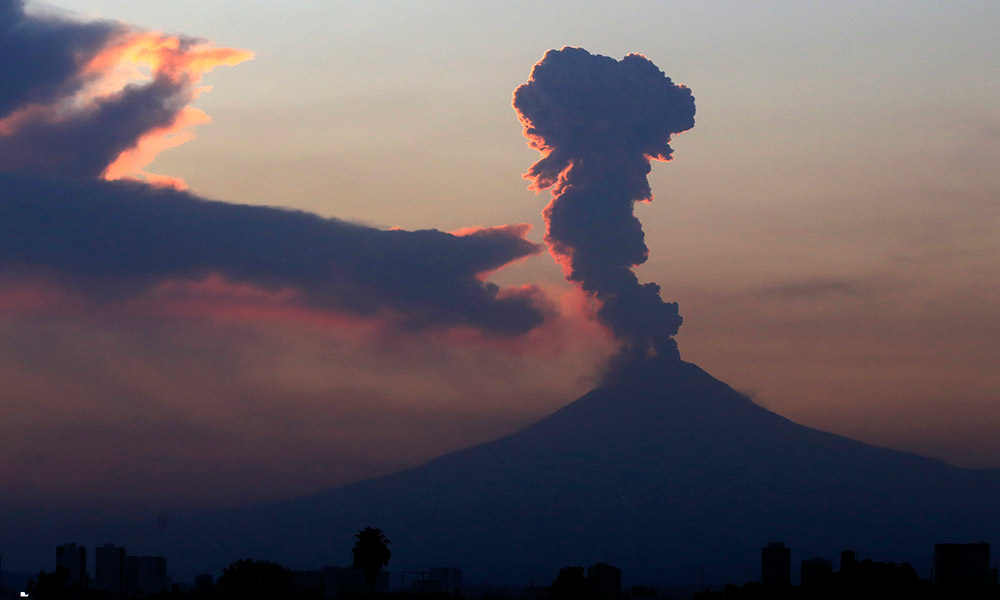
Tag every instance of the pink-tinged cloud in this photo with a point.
(87, 100)
(183, 62)
(167, 410)
(36, 297)
(218, 300)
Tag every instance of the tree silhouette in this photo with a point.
(571, 584)
(249, 579)
(49, 586)
(371, 553)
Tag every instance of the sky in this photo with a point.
(829, 229)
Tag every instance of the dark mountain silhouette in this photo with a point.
(663, 471)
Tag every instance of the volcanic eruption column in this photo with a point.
(598, 122)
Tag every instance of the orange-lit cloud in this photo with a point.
(144, 57)
(119, 97)
(131, 163)
(171, 56)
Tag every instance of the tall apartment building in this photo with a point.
(776, 564)
(73, 558)
(109, 569)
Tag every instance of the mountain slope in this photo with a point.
(665, 472)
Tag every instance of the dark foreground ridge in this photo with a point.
(664, 471)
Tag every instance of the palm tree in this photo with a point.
(371, 553)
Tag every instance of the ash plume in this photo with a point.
(598, 122)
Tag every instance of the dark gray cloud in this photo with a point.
(84, 144)
(598, 122)
(41, 58)
(74, 96)
(113, 239)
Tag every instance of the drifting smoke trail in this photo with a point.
(598, 122)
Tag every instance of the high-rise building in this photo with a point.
(109, 569)
(73, 558)
(776, 564)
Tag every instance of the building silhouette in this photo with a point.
(963, 564)
(776, 564)
(203, 584)
(73, 558)
(440, 581)
(816, 572)
(337, 582)
(605, 581)
(145, 575)
(308, 580)
(109, 569)
(848, 560)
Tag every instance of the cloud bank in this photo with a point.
(114, 239)
(86, 101)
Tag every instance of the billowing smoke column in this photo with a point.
(598, 122)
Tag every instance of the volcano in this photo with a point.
(663, 471)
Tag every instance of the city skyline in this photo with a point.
(117, 574)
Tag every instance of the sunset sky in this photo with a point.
(830, 228)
